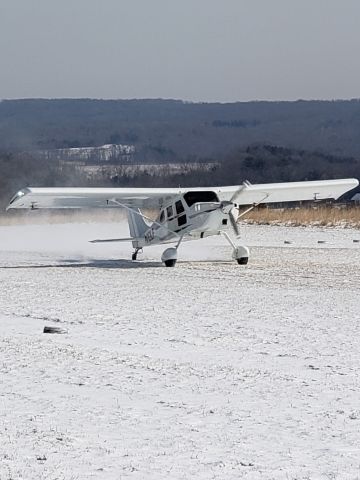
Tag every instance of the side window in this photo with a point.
(162, 216)
(169, 212)
(179, 207)
(182, 220)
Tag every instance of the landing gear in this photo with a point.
(169, 257)
(241, 255)
(242, 260)
(170, 263)
(135, 254)
(240, 252)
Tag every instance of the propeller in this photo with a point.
(234, 224)
(233, 220)
(227, 207)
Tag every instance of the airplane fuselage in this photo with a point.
(185, 216)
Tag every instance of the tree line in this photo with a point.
(171, 130)
(255, 163)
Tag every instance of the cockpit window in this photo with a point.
(199, 197)
(179, 207)
(169, 212)
(162, 216)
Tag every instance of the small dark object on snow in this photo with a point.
(356, 240)
(54, 330)
(41, 458)
(321, 241)
(313, 367)
(287, 242)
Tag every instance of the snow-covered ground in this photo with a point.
(209, 370)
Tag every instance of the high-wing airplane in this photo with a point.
(183, 213)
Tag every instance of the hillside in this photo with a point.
(170, 131)
(133, 142)
(258, 164)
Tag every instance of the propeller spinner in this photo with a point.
(227, 208)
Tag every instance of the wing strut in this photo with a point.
(254, 205)
(234, 222)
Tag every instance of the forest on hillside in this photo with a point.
(257, 164)
(256, 141)
(165, 131)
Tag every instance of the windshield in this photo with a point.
(199, 197)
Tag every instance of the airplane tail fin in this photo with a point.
(137, 223)
(137, 227)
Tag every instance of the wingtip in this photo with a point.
(15, 198)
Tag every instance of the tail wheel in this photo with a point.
(135, 254)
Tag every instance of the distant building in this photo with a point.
(356, 198)
(104, 153)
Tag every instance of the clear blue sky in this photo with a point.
(198, 50)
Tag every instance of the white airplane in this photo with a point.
(183, 213)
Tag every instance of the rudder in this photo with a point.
(137, 224)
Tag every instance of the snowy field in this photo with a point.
(209, 370)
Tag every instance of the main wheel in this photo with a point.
(241, 255)
(170, 263)
(242, 260)
(169, 257)
(134, 256)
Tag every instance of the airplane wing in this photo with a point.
(245, 194)
(76, 197)
(248, 194)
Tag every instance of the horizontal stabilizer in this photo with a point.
(112, 240)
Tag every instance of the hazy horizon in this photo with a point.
(200, 51)
(188, 101)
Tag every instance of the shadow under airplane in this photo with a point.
(101, 264)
